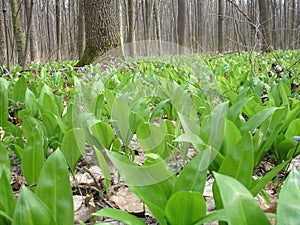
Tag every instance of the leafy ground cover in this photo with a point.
(73, 138)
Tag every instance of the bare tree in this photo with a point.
(131, 27)
(2, 33)
(221, 12)
(58, 29)
(181, 23)
(17, 29)
(80, 28)
(264, 18)
(101, 29)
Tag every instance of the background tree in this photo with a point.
(264, 18)
(2, 35)
(18, 30)
(100, 29)
(181, 23)
(221, 12)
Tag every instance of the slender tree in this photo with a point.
(221, 12)
(2, 34)
(181, 23)
(264, 19)
(131, 27)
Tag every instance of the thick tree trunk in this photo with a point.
(18, 31)
(101, 29)
(264, 19)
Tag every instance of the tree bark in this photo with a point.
(2, 34)
(264, 19)
(58, 29)
(101, 30)
(17, 29)
(131, 29)
(181, 24)
(80, 29)
(221, 12)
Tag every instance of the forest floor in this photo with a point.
(89, 188)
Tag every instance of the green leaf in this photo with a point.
(289, 200)
(120, 215)
(193, 176)
(33, 158)
(238, 163)
(236, 108)
(30, 210)
(4, 161)
(185, 208)
(239, 204)
(3, 105)
(31, 103)
(149, 136)
(218, 215)
(104, 133)
(291, 116)
(256, 120)
(31, 124)
(7, 199)
(73, 146)
(293, 129)
(19, 90)
(267, 133)
(120, 117)
(49, 105)
(54, 188)
(104, 167)
(259, 184)
(231, 137)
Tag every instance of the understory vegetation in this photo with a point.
(231, 111)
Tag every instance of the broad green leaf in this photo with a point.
(256, 120)
(189, 125)
(120, 117)
(259, 184)
(49, 105)
(149, 136)
(289, 200)
(30, 124)
(31, 103)
(33, 158)
(3, 105)
(4, 161)
(7, 199)
(239, 204)
(236, 109)
(291, 116)
(104, 133)
(30, 210)
(193, 176)
(218, 215)
(104, 167)
(267, 133)
(152, 184)
(19, 90)
(293, 129)
(231, 137)
(238, 163)
(54, 188)
(119, 215)
(73, 146)
(185, 208)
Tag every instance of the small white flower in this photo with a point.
(2, 133)
(296, 139)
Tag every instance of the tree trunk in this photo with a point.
(34, 52)
(80, 29)
(101, 29)
(58, 29)
(181, 24)
(131, 28)
(2, 35)
(18, 31)
(157, 25)
(221, 12)
(264, 19)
